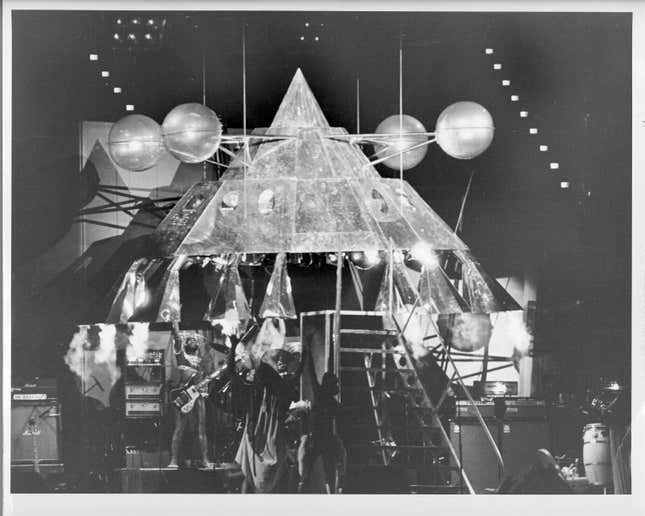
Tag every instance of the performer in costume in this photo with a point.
(262, 454)
(321, 439)
(194, 363)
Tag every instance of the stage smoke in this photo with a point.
(106, 352)
(74, 355)
(138, 341)
(510, 328)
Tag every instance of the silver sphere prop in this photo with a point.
(135, 143)
(464, 130)
(398, 126)
(192, 132)
(465, 332)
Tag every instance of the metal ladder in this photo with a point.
(395, 359)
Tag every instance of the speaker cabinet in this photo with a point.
(476, 454)
(518, 441)
(35, 432)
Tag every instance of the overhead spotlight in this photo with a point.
(544, 148)
(488, 51)
(554, 165)
(129, 107)
(533, 130)
(136, 21)
(151, 21)
(515, 98)
(423, 253)
(94, 57)
(131, 37)
(116, 36)
(148, 36)
(497, 66)
(105, 73)
(372, 256)
(506, 82)
(302, 38)
(306, 24)
(524, 114)
(564, 184)
(316, 38)
(116, 89)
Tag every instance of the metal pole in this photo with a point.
(339, 287)
(358, 105)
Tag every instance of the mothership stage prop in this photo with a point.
(302, 187)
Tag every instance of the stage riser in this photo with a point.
(177, 481)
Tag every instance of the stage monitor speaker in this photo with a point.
(476, 454)
(35, 432)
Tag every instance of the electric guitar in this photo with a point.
(184, 397)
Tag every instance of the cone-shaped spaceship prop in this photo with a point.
(437, 294)
(301, 186)
(229, 301)
(278, 301)
(396, 288)
(129, 294)
(170, 306)
(483, 293)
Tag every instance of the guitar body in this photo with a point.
(184, 398)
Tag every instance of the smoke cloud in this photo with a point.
(138, 341)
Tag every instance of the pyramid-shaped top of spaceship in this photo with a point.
(308, 190)
(299, 109)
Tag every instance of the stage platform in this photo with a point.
(223, 478)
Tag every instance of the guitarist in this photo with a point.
(194, 363)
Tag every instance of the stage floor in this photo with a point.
(223, 478)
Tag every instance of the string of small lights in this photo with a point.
(116, 89)
(506, 83)
(131, 34)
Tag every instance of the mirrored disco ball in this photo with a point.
(192, 132)
(398, 127)
(135, 142)
(464, 130)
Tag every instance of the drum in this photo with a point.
(596, 455)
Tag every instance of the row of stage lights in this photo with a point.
(420, 255)
(553, 165)
(309, 25)
(138, 32)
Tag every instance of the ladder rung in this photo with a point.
(376, 351)
(362, 331)
(375, 369)
(389, 391)
(399, 446)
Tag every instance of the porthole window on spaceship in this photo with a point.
(230, 201)
(266, 202)
(378, 203)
